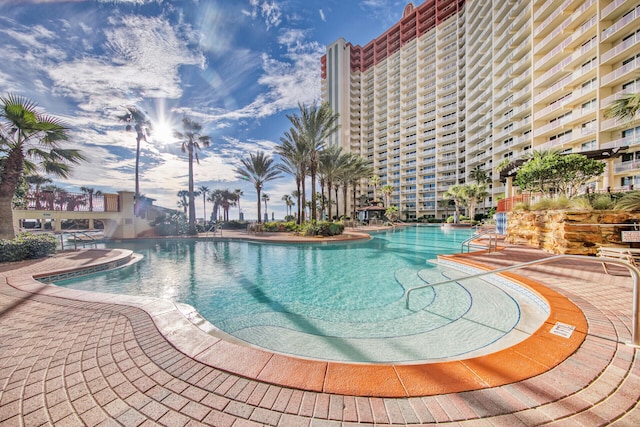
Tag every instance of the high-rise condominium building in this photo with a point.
(459, 85)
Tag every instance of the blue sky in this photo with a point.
(236, 66)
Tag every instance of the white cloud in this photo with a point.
(324, 19)
(270, 12)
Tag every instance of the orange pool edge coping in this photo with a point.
(535, 355)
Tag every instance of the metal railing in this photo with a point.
(635, 275)
(492, 244)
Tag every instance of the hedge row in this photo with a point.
(27, 246)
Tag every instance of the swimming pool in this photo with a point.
(338, 301)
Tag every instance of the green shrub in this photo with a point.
(321, 228)
(629, 202)
(274, 226)
(547, 204)
(581, 203)
(27, 246)
(521, 206)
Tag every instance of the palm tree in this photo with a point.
(458, 194)
(332, 162)
(387, 191)
(288, 201)
(359, 169)
(190, 141)
(37, 181)
(238, 192)
(184, 200)
(474, 193)
(626, 108)
(375, 181)
(265, 199)
(479, 175)
(90, 192)
(215, 197)
(142, 126)
(30, 140)
(258, 169)
(294, 155)
(314, 125)
(204, 190)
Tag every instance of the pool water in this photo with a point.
(337, 301)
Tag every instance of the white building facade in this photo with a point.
(456, 85)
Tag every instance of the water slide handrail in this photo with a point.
(635, 275)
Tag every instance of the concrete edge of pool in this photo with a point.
(537, 354)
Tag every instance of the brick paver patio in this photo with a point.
(79, 359)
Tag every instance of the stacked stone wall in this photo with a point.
(568, 232)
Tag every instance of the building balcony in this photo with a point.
(619, 74)
(620, 50)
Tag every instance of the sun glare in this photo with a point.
(163, 132)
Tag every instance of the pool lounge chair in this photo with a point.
(630, 255)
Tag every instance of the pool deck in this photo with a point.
(78, 358)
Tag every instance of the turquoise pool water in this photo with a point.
(337, 301)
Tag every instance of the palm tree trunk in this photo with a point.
(313, 212)
(259, 205)
(329, 185)
(304, 201)
(345, 190)
(192, 205)
(11, 172)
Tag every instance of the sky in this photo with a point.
(238, 67)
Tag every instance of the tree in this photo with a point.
(546, 172)
(479, 175)
(204, 190)
(474, 193)
(216, 199)
(288, 201)
(458, 194)
(314, 125)
(142, 126)
(626, 108)
(238, 192)
(387, 191)
(375, 181)
(184, 200)
(90, 192)
(294, 155)
(37, 181)
(258, 169)
(30, 141)
(265, 199)
(392, 213)
(333, 161)
(190, 142)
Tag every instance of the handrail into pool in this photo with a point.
(493, 240)
(635, 275)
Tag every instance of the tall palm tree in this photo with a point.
(295, 161)
(359, 171)
(479, 175)
(265, 199)
(314, 124)
(387, 191)
(90, 192)
(259, 169)
(191, 140)
(626, 108)
(458, 194)
(184, 200)
(288, 201)
(332, 163)
(31, 141)
(474, 193)
(238, 192)
(215, 197)
(142, 126)
(375, 181)
(204, 191)
(37, 181)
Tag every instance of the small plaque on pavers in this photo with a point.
(562, 329)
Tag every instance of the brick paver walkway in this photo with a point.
(72, 362)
